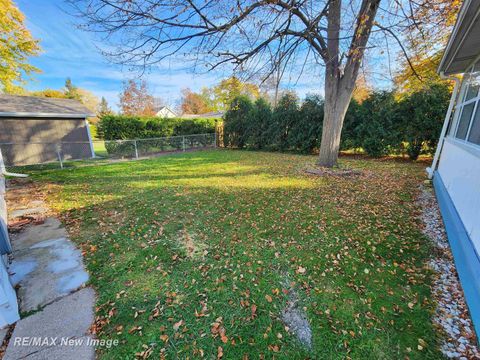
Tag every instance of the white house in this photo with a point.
(456, 165)
(165, 112)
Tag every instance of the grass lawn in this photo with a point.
(198, 253)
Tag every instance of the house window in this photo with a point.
(467, 127)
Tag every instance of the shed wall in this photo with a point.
(35, 140)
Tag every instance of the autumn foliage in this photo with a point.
(136, 100)
(193, 103)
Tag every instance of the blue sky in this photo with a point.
(70, 52)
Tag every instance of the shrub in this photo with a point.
(120, 127)
(375, 131)
(305, 132)
(195, 126)
(350, 138)
(235, 124)
(381, 124)
(421, 118)
(285, 115)
(257, 124)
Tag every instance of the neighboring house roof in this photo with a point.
(213, 114)
(164, 108)
(464, 44)
(34, 106)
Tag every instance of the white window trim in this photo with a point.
(459, 110)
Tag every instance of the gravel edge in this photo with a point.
(451, 317)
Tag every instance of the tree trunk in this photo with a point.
(337, 100)
(339, 84)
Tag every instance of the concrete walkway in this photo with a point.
(48, 271)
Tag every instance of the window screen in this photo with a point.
(474, 135)
(464, 121)
(467, 125)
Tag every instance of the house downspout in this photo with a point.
(4, 172)
(448, 116)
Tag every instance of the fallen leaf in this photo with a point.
(301, 270)
(177, 325)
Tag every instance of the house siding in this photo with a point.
(8, 299)
(457, 184)
(34, 140)
(460, 171)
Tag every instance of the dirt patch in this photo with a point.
(193, 247)
(296, 320)
(23, 194)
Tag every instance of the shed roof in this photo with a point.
(212, 114)
(34, 106)
(463, 47)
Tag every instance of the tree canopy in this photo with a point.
(425, 39)
(16, 46)
(70, 91)
(193, 103)
(135, 99)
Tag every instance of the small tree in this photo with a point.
(193, 103)
(103, 108)
(136, 99)
(71, 91)
(235, 122)
(231, 88)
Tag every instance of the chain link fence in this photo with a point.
(30, 156)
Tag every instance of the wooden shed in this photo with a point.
(36, 130)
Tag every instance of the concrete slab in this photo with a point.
(24, 212)
(51, 229)
(69, 317)
(46, 271)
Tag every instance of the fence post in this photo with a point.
(183, 139)
(58, 148)
(136, 150)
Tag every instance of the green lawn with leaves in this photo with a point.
(197, 254)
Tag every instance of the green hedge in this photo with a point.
(288, 127)
(119, 127)
(385, 123)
